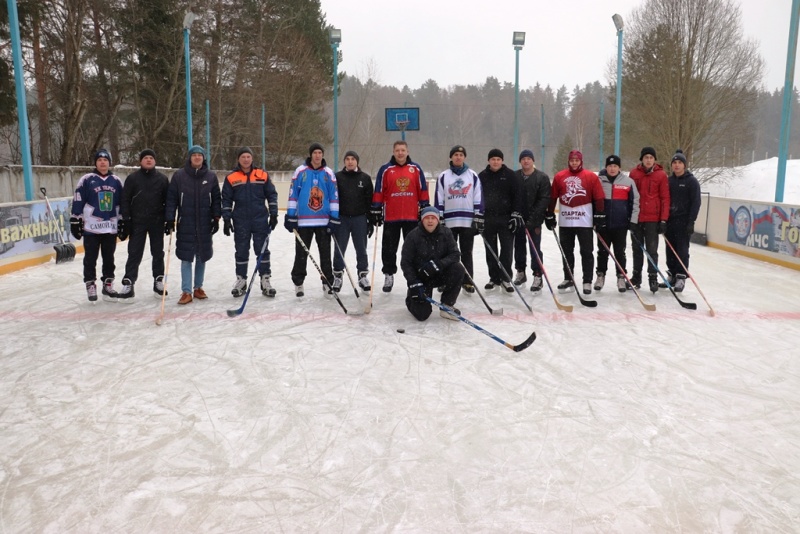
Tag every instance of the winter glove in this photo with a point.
(690, 228)
(417, 291)
(370, 229)
(123, 230)
(333, 225)
(515, 222)
(290, 222)
(633, 227)
(169, 227)
(599, 221)
(376, 216)
(429, 271)
(550, 221)
(76, 227)
(662, 227)
(214, 225)
(227, 228)
(273, 222)
(478, 223)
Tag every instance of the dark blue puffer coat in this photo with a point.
(194, 194)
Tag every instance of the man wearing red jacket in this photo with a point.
(582, 207)
(653, 186)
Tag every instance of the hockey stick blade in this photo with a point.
(516, 348)
(685, 305)
(647, 306)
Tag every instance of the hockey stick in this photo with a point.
(516, 348)
(498, 311)
(349, 276)
(562, 307)
(687, 305)
(505, 273)
(64, 251)
(324, 278)
(166, 275)
(710, 309)
(585, 302)
(238, 312)
(374, 259)
(648, 307)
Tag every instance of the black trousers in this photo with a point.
(136, 242)
(648, 236)
(617, 239)
(521, 246)
(567, 238)
(676, 233)
(450, 279)
(93, 245)
(391, 241)
(465, 238)
(320, 233)
(492, 233)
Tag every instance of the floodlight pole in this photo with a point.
(22, 106)
(335, 39)
(788, 95)
(518, 41)
(619, 25)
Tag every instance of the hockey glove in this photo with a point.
(290, 222)
(169, 227)
(550, 221)
(417, 291)
(333, 225)
(662, 227)
(599, 221)
(123, 229)
(690, 228)
(376, 215)
(214, 225)
(370, 229)
(478, 223)
(515, 222)
(227, 228)
(76, 227)
(633, 227)
(429, 271)
(273, 222)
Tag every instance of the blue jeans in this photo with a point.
(186, 275)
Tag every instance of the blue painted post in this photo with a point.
(788, 96)
(22, 106)
(618, 111)
(208, 132)
(516, 106)
(263, 136)
(602, 127)
(335, 47)
(542, 108)
(188, 86)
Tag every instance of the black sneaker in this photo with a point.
(653, 283)
(491, 285)
(636, 279)
(469, 288)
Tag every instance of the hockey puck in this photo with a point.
(401, 331)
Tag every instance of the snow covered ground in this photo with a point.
(756, 182)
(295, 417)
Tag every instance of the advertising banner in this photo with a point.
(765, 227)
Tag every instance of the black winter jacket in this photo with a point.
(536, 194)
(195, 196)
(355, 192)
(684, 195)
(144, 196)
(502, 194)
(248, 197)
(421, 246)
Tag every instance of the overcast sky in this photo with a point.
(568, 42)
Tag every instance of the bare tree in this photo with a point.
(690, 76)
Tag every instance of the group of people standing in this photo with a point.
(507, 208)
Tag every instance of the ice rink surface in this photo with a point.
(295, 417)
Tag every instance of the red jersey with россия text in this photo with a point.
(401, 190)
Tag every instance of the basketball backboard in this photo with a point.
(402, 119)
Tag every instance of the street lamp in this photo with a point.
(335, 39)
(518, 41)
(187, 23)
(618, 24)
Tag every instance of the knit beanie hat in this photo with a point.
(613, 159)
(147, 152)
(244, 150)
(679, 156)
(495, 153)
(102, 153)
(315, 146)
(648, 150)
(526, 154)
(197, 149)
(351, 153)
(458, 148)
(429, 210)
